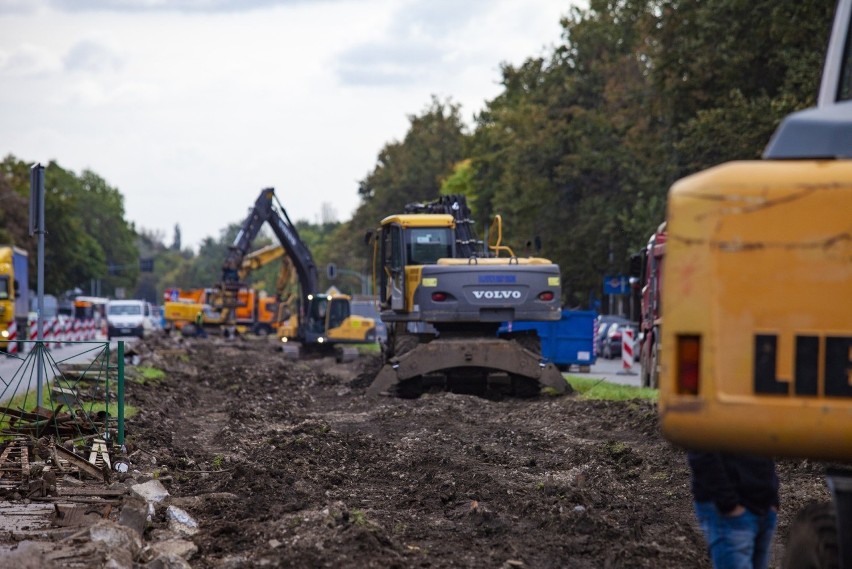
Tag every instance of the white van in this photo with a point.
(129, 318)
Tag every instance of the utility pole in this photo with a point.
(37, 227)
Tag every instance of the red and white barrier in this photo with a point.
(56, 331)
(12, 346)
(627, 348)
(47, 332)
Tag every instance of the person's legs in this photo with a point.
(731, 540)
(765, 531)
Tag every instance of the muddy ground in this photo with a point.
(293, 466)
(290, 464)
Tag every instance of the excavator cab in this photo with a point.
(329, 318)
(328, 323)
(407, 243)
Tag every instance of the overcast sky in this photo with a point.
(191, 107)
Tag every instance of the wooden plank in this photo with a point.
(105, 492)
(76, 500)
(25, 461)
(19, 447)
(83, 464)
(99, 455)
(4, 458)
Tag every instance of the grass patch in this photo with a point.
(358, 518)
(368, 349)
(588, 388)
(146, 375)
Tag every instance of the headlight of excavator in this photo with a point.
(4, 334)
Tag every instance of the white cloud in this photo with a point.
(190, 112)
(387, 64)
(28, 60)
(92, 56)
(168, 5)
(18, 6)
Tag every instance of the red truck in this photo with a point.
(649, 322)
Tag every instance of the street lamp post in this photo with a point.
(365, 281)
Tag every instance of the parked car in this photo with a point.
(602, 325)
(612, 342)
(128, 318)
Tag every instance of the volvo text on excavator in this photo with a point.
(443, 296)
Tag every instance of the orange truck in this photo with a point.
(254, 312)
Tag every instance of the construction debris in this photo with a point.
(53, 422)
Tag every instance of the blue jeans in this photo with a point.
(737, 542)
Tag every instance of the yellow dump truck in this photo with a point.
(14, 303)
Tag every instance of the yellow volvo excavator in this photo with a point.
(757, 294)
(443, 297)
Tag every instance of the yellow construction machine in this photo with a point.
(317, 322)
(444, 295)
(757, 294)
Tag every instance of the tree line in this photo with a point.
(578, 149)
(581, 146)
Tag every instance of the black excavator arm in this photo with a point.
(264, 211)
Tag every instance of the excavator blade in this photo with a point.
(470, 365)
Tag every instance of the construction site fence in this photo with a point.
(71, 390)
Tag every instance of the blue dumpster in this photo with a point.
(566, 342)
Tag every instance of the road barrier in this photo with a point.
(12, 346)
(627, 348)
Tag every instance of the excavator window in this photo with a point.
(392, 262)
(4, 288)
(338, 313)
(844, 89)
(424, 246)
(316, 320)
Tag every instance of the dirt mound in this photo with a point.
(288, 464)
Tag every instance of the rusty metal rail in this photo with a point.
(80, 414)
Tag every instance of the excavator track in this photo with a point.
(481, 366)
